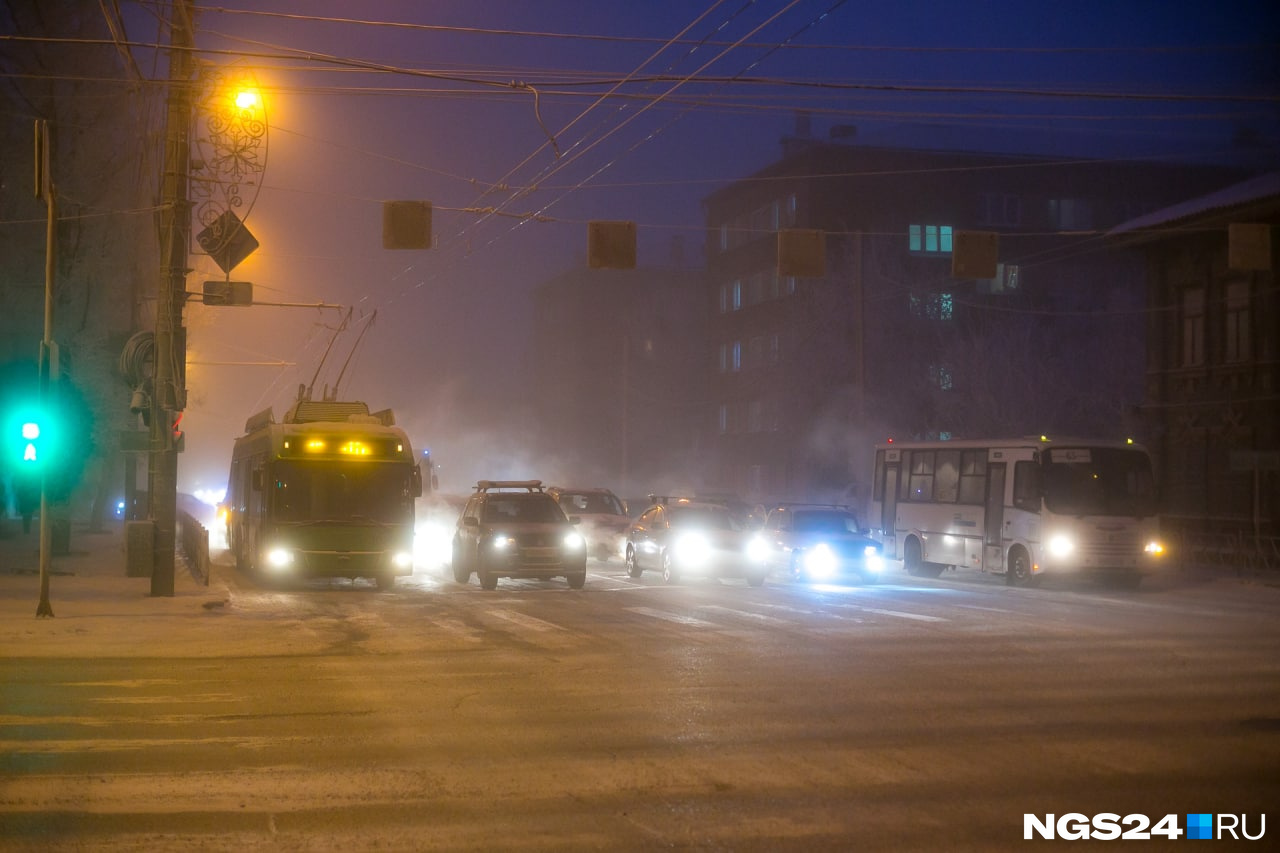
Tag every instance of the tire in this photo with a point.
(669, 573)
(915, 564)
(461, 573)
(633, 568)
(1018, 571)
(488, 580)
(576, 580)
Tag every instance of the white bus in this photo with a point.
(1017, 507)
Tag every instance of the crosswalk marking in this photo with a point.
(525, 621)
(758, 617)
(919, 617)
(672, 617)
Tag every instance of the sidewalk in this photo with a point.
(98, 610)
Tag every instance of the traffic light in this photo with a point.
(30, 438)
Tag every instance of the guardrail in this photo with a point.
(1238, 551)
(193, 544)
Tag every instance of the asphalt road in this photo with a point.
(914, 714)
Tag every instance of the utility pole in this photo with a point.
(169, 396)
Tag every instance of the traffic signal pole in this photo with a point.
(169, 396)
(48, 349)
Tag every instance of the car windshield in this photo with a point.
(533, 508)
(713, 518)
(1099, 481)
(824, 521)
(590, 503)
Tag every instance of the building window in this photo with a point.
(724, 357)
(735, 302)
(790, 285)
(999, 209)
(1193, 327)
(929, 239)
(940, 376)
(724, 236)
(735, 363)
(1070, 214)
(932, 306)
(792, 207)
(1237, 333)
(724, 298)
(724, 418)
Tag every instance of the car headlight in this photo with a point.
(501, 542)
(279, 558)
(872, 559)
(820, 561)
(573, 541)
(1060, 546)
(1154, 548)
(757, 549)
(692, 549)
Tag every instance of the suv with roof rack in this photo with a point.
(514, 529)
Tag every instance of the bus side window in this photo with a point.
(921, 482)
(1026, 486)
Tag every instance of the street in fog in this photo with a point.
(633, 714)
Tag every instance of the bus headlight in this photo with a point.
(1060, 546)
(820, 561)
(1154, 548)
(279, 558)
(693, 549)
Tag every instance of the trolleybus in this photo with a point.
(1017, 507)
(328, 492)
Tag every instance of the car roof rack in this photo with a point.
(519, 485)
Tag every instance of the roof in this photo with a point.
(1255, 189)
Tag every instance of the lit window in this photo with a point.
(929, 239)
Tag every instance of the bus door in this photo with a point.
(889, 504)
(993, 536)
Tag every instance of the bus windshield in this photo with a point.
(1099, 481)
(356, 492)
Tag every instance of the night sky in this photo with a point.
(641, 110)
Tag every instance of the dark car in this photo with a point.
(604, 518)
(514, 529)
(813, 542)
(680, 536)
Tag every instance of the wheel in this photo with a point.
(755, 579)
(488, 580)
(633, 568)
(1018, 572)
(669, 574)
(915, 564)
(461, 573)
(576, 580)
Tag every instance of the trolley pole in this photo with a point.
(169, 396)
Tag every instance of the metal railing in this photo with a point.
(1237, 551)
(193, 545)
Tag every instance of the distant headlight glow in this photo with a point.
(279, 558)
(820, 561)
(1154, 549)
(757, 549)
(1060, 546)
(692, 549)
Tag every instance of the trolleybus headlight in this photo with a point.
(820, 561)
(1154, 549)
(573, 541)
(757, 549)
(402, 559)
(279, 558)
(1060, 546)
(693, 549)
(872, 560)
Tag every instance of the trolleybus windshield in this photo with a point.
(354, 492)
